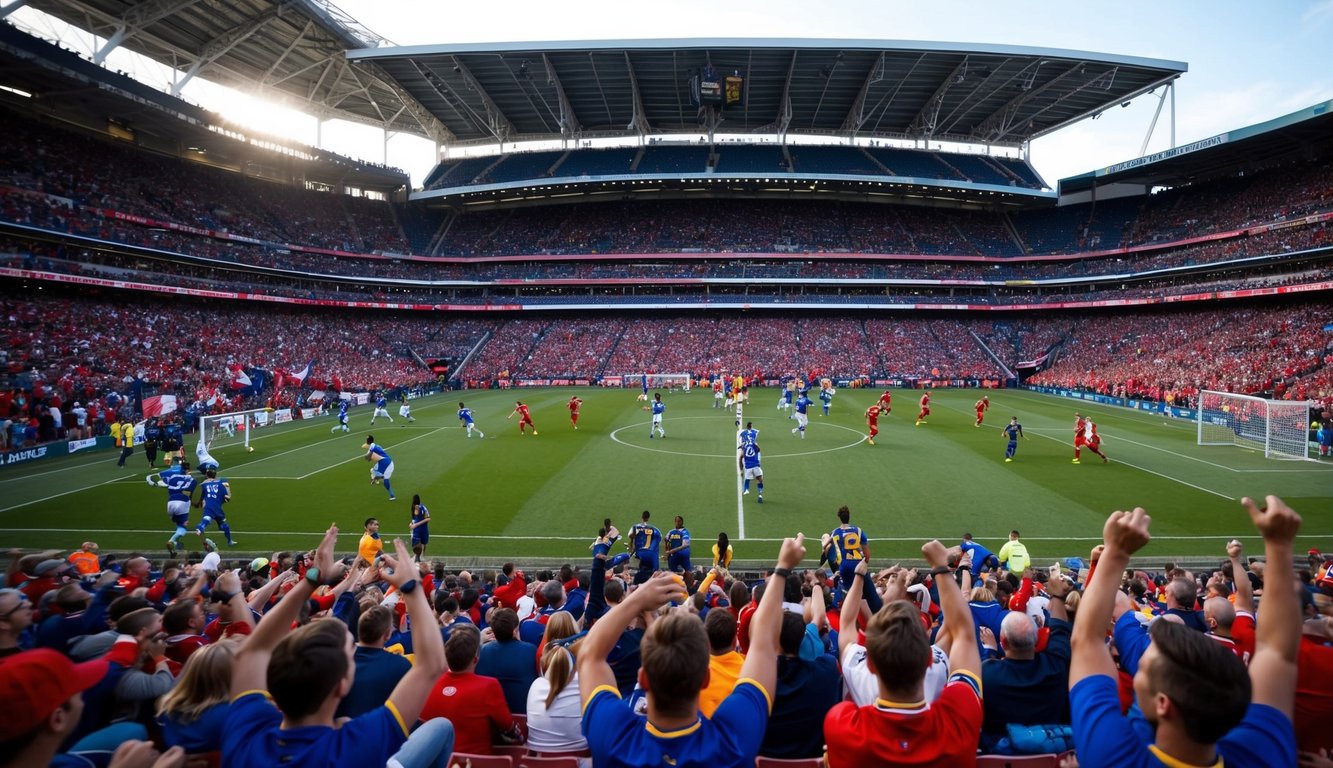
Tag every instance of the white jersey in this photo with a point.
(1089, 429)
(404, 410)
(863, 685)
(203, 458)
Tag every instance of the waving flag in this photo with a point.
(300, 376)
(239, 378)
(160, 405)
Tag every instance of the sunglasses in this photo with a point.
(22, 603)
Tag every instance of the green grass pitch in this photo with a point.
(542, 498)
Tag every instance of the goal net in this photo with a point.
(223, 433)
(666, 381)
(1279, 428)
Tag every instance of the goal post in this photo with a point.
(221, 431)
(1279, 428)
(681, 381)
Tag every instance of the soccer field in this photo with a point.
(542, 498)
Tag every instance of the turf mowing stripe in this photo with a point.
(1149, 471)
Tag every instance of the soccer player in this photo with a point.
(524, 418)
(749, 434)
(203, 458)
(802, 414)
(826, 397)
(1091, 440)
(342, 417)
(420, 527)
(213, 493)
(180, 487)
(574, 403)
(381, 409)
(643, 396)
(370, 545)
(850, 543)
(925, 409)
(645, 540)
(747, 458)
(872, 421)
(885, 402)
(383, 469)
(1013, 430)
(465, 418)
(658, 408)
(1198, 704)
(405, 410)
(982, 406)
(727, 392)
(788, 384)
(678, 547)
(1079, 439)
(717, 392)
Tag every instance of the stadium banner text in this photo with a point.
(53, 450)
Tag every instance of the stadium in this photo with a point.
(830, 224)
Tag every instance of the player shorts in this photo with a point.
(381, 412)
(216, 516)
(404, 411)
(1079, 442)
(678, 562)
(717, 394)
(925, 410)
(657, 419)
(802, 419)
(342, 419)
(421, 535)
(383, 469)
(754, 473)
(1095, 443)
(178, 511)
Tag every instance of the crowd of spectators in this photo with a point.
(137, 661)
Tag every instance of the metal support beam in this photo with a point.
(280, 58)
(14, 6)
(1152, 126)
(639, 121)
(223, 43)
(928, 118)
(856, 114)
(1006, 118)
(569, 122)
(136, 18)
(495, 120)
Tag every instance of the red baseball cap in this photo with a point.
(42, 680)
(1313, 552)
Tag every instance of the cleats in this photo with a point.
(171, 547)
(871, 441)
(393, 498)
(1008, 460)
(761, 498)
(745, 493)
(231, 543)
(1075, 461)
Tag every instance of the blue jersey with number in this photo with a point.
(1013, 431)
(419, 515)
(214, 493)
(180, 486)
(342, 410)
(679, 538)
(645, 537)
(749, 436)
(658, 407)
(850, 542)
(802, 403)
(825, 396)
(750, 455)
(465, 414)
(380, 402)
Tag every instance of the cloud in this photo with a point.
(1317, 14)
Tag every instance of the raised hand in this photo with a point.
(792, 552)
(935, 553)
(397, 569)
(324, 553)
(662, 588)
(1235, 549)
(1277, 522)
(1127, 532)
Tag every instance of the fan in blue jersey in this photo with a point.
(383, 469)
(606, 536)
(982, 559)
(747, 458)
(381, 409)
(850, 543)
(747, 435)
(1013, 430)
(658, 408)
(213, 493)
(646, 541)
(678, 547)
(802, 415)
(420, 527)
(342, 417)
(180, 487)
(465, 418)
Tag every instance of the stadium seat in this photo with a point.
(464, 760)
(513, 750)
(547, 762)
(1018, 761)
(773, 762)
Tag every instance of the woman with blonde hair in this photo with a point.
(555, 716)
(194, 712)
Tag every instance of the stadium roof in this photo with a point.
(292, 48)
(1299, 135)
(971, 93)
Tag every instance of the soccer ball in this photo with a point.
(249, 449)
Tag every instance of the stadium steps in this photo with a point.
(437, 239)
(952, 168)
(615, 345)
(554, 170)
(886, 169)
(1014, 234)
(471, 353)
(638, 157)
(991, 353)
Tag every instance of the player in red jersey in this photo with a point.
(574, 403)
(925, 409)
(1091, 440)
(982, 405)
(885, 402)
(872, 421)
(524, 417)
(1079, 440)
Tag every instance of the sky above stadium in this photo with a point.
(1248, 62)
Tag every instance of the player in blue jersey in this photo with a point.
(465, 418)
(383, 469)
(607, 535)
(747, 459)
(213, 493)
(342, 417)
(1013, 430)
(420, 527)
(160, 478)
(643, 396)
(826, 397)
(658, 408)
(381, 409)
(678, 547)
(646, 541)
(747, 435)
(180, 487)
(850, 543)
(802, 414)
(982, 559)
(788, 384)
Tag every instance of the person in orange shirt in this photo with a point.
(724, 663)
(85, 561)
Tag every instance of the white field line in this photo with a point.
(740, 478)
